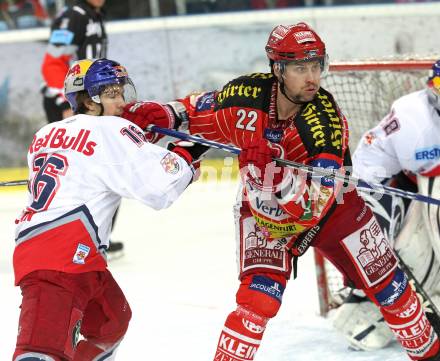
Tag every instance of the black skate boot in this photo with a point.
(115, 250)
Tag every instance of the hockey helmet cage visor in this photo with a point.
(296, 43)
(95, 76)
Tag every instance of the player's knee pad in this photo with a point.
(391, 292)
(33, 356)
(262, 293)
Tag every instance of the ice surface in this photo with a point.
(179, 275)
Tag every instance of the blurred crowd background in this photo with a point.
(24, 14)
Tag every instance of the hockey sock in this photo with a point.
(241, 336)
(405, 315)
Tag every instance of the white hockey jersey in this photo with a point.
(408, 138)
(79, 169)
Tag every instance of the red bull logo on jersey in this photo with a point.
(81, 253)
(59, 138)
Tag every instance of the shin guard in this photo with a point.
(241, 336)
(405, 315)
(259, 299)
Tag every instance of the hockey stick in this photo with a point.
(21, 182)
(418, 286)
(317, 171)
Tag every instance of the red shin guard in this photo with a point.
(405, 315)
(241, 336)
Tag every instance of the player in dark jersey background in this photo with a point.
(77, 33)
(282, 211)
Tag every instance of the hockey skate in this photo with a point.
(115, 251)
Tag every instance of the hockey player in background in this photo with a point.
(282, 211)
(77, 33)
(79, 169)
(402, 150)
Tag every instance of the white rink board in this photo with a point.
(170, 57)
(179, 275)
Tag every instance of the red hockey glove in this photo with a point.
(146, 113)
(256, 162)
(293, 195)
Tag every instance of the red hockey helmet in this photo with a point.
(295, 42)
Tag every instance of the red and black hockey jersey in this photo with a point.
(318, 135)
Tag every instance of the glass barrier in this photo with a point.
(23, 14)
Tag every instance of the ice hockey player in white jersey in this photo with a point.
(79, 169)
(403, 150)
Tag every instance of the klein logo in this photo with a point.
(236, 348)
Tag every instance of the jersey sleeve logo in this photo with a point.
(170, 164)
(61, 36)
(205, 102)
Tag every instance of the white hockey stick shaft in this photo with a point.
(20, 182)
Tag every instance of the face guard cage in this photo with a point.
(323, 63)
(128, 90)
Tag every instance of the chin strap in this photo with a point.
(283, 91)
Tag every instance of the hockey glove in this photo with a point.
(257, 165)
(147, 113)
(191, 152)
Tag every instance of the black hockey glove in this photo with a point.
(191, 152)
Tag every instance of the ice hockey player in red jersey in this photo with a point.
(401, 150)
(283, 211)
(79, 169)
